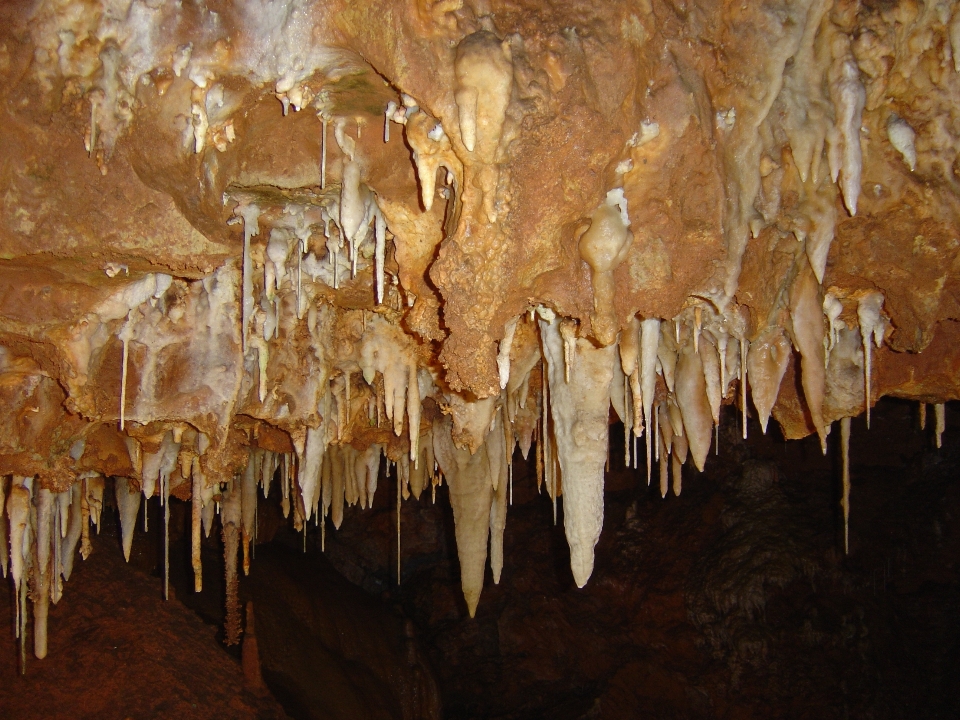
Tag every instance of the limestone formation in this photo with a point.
(277, 240)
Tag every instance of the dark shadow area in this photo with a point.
(117, 650)
(733, 600)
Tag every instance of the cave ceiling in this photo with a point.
(251, 240)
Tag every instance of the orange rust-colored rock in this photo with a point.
(211, 214)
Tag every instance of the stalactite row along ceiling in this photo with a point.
(257, 240)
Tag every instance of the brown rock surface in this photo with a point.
(123, 652)
(215, 267)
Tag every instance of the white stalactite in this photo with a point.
(604, 246)
(710, 360)
(580, 413)
(250, 214)
(471, 495)
(849, 98)
(310, 464)
(128, 503)
(806, 317)
(380, 231)
(649, 344)
(903, 139)
(503, 354)
(871, 329)
(497, 459)
(74, 530)
(694, 405)
(323, 153)
(768, 360)
(126, 334)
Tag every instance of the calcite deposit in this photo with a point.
(299, 242)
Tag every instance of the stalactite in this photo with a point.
(568, 333)
(871, 329)
(128, 503)
(503, 354)
(697, 326)
(418, 474)
(56, 579)
(845, 446)
(538, 457)
(663, 443)
(231, 519)
(18, 516)
(326, 484)
(250, 214)
(849, 97)
(413, 410)
(338, 476)
(267, 468)
(656, 434)
(806, 316)
(649, 343)
(380, 233)
(545, 437)
(196, 517)
(667, 356)
(627, 421)
(323, 153)
(4, 528)
(694, 405)
(710, 361)
(86, 549)
(248, 506)
(471, 496)
(309, 477)
(743, 385)
(768, 361)
(580, 413)
(495, 447)
(44, 538)
(75, 526)
(677, 467)
(940, 415)
(285, 487)
(42, 570)
(165, 496)
(126, 334)
(323, 531)
(95, 488)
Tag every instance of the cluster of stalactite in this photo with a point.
(345, 330)
(665, 380)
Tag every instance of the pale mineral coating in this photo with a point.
(415, 182)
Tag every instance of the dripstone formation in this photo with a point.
(273, 242)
